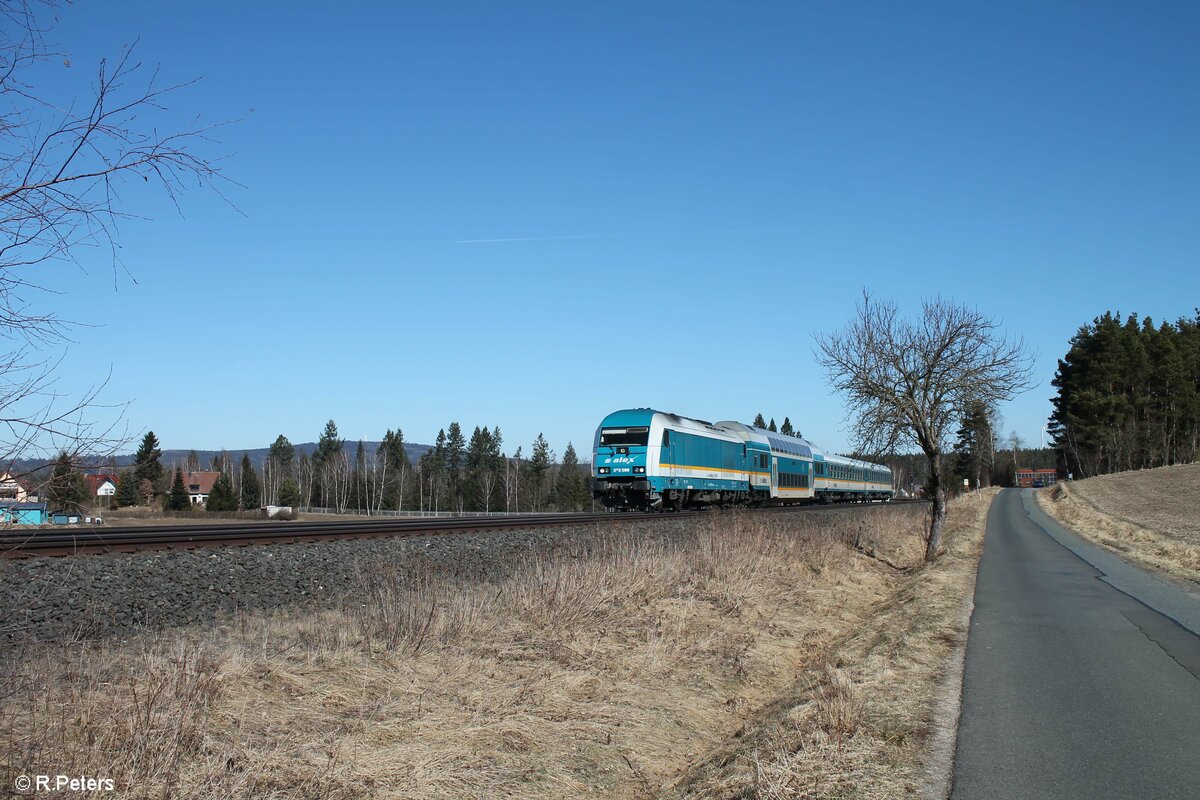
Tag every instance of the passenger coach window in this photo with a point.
(629, 436)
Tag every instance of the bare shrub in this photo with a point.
(826, 549)
(403, 612)
(839, 707)
(564, 590)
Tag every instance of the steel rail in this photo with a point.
(131, 538)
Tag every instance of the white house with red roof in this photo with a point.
(101, 486)
(199, 485)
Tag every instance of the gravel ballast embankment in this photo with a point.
(95, 596)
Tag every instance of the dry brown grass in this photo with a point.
(858, 721)
(609, 667)
(1148, 517)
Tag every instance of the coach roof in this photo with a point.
(781, 442)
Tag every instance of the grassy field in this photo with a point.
(1148, 516)
(758, 656)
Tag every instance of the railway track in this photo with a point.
(146, 537)
(83, 540)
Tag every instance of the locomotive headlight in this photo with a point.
(639, 470)
(603, 470)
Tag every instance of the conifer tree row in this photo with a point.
(1128, 396)
(785, 427)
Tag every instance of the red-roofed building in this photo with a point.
(101, 486)
(199, 485)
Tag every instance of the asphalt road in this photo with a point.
(1073, 687)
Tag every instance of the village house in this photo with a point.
(199, 485)
(101, 488)
(17, 490)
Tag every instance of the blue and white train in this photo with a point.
(651, 460)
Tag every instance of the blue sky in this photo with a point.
(692, 190)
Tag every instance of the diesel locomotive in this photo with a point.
(651, 460)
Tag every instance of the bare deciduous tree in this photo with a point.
(906, 383)
(306, 479)
(337, 481)
(61, 165)
(1015, 445)
(487, 485)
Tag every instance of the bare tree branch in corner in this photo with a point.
(906, 383)
(60, 169)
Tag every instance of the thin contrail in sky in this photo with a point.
(553, 238)
(616, 236)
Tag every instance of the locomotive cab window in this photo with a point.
(626, 436)
(666, 439)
